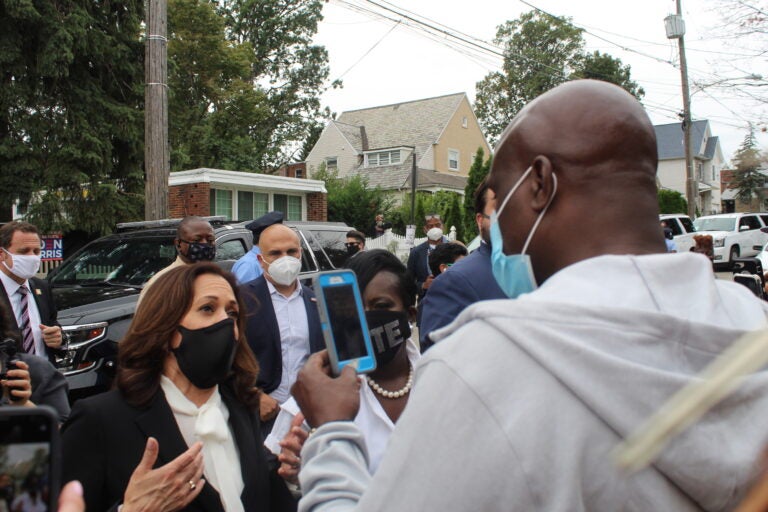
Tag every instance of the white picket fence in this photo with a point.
(397, 244)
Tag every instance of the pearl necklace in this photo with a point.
(392, 394)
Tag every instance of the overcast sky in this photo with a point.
(381, 61)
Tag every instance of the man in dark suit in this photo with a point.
(283, 323)
(418, 259)
(468, 281)
(28, 297)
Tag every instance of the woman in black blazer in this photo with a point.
(181, 431)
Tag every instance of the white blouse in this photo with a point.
(209, 424)
(371, 419)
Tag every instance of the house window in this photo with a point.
(289, 205)
(299, 173)
(221, 203)
(251, 205)
(332, 163)
(380, 158)
(453, 159)
(464, 122)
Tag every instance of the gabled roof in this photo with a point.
(412, 123)
(669, 139)
(397, 177)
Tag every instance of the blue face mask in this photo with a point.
(514, 272)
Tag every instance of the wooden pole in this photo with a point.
(156, 149)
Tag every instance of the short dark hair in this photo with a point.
(480, 196)
(444, 254)
(367, 264)
(357, 235)
(186, 221)
(8, 229)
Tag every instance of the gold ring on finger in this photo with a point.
(192, 485)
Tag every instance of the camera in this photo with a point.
(7, 362)
(749, 272)
(7, 357)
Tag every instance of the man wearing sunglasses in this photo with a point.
(355, 242)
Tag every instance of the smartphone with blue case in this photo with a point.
(342, 316)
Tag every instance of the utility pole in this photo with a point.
(156, 150)
(413, 187)
(675, 27)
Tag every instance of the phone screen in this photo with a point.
(27, 480)
(345, 322)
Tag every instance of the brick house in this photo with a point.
(245, 195)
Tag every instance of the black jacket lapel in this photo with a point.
(158, 422)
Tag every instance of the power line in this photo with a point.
(368, 51)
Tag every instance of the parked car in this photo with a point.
(682, 230)
(97, 288)
(734, 235)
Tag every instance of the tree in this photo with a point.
(540, 52)
(454, 217)
(748, 179)
(601, 66)
(71, 127)
(246, 80)
(351, 200)
(672, 201)
(477, 173)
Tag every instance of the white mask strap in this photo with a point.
(541, 215)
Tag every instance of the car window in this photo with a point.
(332, 243)
(230, 249)
(673, 225)
(750, 221)
(687, 224)
(715, 224)
(764, 219)
(307, 264)
(121, 261)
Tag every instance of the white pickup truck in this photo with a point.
(682, 230)
(734, 235)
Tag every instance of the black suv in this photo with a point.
(96, 289)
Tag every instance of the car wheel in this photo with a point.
(734, 254)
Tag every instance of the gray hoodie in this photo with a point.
(520, 403)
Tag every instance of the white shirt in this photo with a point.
(291, 317)
(27, 505)
(12, 290)
(223, 477)
(372, 420)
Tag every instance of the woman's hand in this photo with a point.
(168, 488)
(18, 384)
(290, 461)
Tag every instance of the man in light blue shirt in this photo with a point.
(248, 268)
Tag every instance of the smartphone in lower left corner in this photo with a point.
(30, 460)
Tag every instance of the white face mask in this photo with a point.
(284, 270)
(435, 234)
(24, 266)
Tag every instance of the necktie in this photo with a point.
(26, 326)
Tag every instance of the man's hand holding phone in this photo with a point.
(268, 407)
(323, 398)
(18, 384)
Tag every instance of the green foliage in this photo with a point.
(477, 173)
(453, 217)
(350, 200)
(439, 202)
(70, 118)
(672, 201)
(246, 81)
(601, 66)
(540, 52)
(747, 177)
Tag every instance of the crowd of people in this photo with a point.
(536, 354)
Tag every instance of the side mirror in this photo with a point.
(764, 230)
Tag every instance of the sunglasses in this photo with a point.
(352, 244)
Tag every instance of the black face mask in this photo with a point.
(389, 330)
(197, 251)
(205, 355)
(352, 249)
